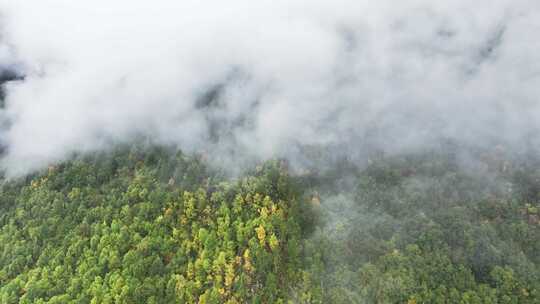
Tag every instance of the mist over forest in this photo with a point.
(269, 151)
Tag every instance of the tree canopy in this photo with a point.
(155, 226)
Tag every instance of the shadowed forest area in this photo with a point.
(148, 225)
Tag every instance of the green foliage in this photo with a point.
(155, 226)
(147, 228)
(421, 230)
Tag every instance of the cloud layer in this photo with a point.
(262, 78)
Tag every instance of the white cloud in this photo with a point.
(293, 72)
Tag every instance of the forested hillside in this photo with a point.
(148, 228)
(157, 226)
(423, 229)
(261, 152)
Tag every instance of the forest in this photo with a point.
(269, 152)
(155, 225)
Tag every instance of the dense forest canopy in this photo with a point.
(150, 225)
